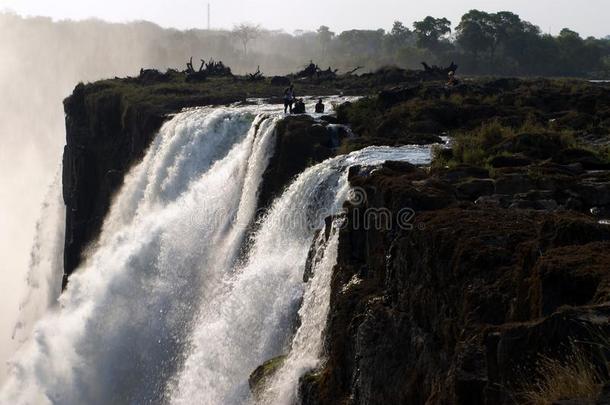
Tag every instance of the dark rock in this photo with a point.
(586, 158)
(509, 161)
(196, 77)
(280, 81)
(495, 200)
(396, 95)
(330, 119)
(300, 143)
(463, 172)
(458, 309)
(541, 205)
(513, 184)
(474, 188)
(594, 194)
(263, 373)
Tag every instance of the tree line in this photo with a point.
(482, 43)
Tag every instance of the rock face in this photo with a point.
(300, 142)
(457, 305)
(101, 144)
(105, 135)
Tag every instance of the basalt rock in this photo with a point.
(459, 305)
(300, 142)
(263, 373)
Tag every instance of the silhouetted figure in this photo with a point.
(452, 79)
(288, 99)
(320, 107)
(299, 107)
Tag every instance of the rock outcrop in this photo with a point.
(458, 304)
(106, 133)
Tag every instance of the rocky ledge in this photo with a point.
(484, 279)
(461, 304)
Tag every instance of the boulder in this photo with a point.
(509, 161)
(474, 188)
(513, 184)
(261, 375)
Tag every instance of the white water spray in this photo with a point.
(162, 310)
(46, 264)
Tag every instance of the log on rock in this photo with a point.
(354, 70)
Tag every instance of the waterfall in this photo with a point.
(306, 347)
(164, 309)
(46, 263)
(252, 318)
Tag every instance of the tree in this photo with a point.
(430, 31)
(245, 33)
(325, 35)
(400, 32)
(475, 33)
(361, 43)
(399, 37)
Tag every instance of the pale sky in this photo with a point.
(589, 17)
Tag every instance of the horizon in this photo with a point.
(185, 15)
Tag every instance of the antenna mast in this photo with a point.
(208, 16)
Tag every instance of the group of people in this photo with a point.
(296, 105)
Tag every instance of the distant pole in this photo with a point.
(208, 16)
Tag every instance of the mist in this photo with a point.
(41, 62)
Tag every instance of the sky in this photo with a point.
(588, 17)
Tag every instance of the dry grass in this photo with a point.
(575, 377)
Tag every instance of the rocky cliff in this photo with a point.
(460, 304)
(485, 277)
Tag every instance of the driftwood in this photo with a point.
(327, 74)
(354, 70)
(213, 68)
(312, 70)
(256, 75)
(439, 71)
(210, 68)
(309, 71)
(189, 66)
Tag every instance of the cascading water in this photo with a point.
(46, 264)
(164, 309)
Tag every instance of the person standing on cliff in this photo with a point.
(288, 99)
